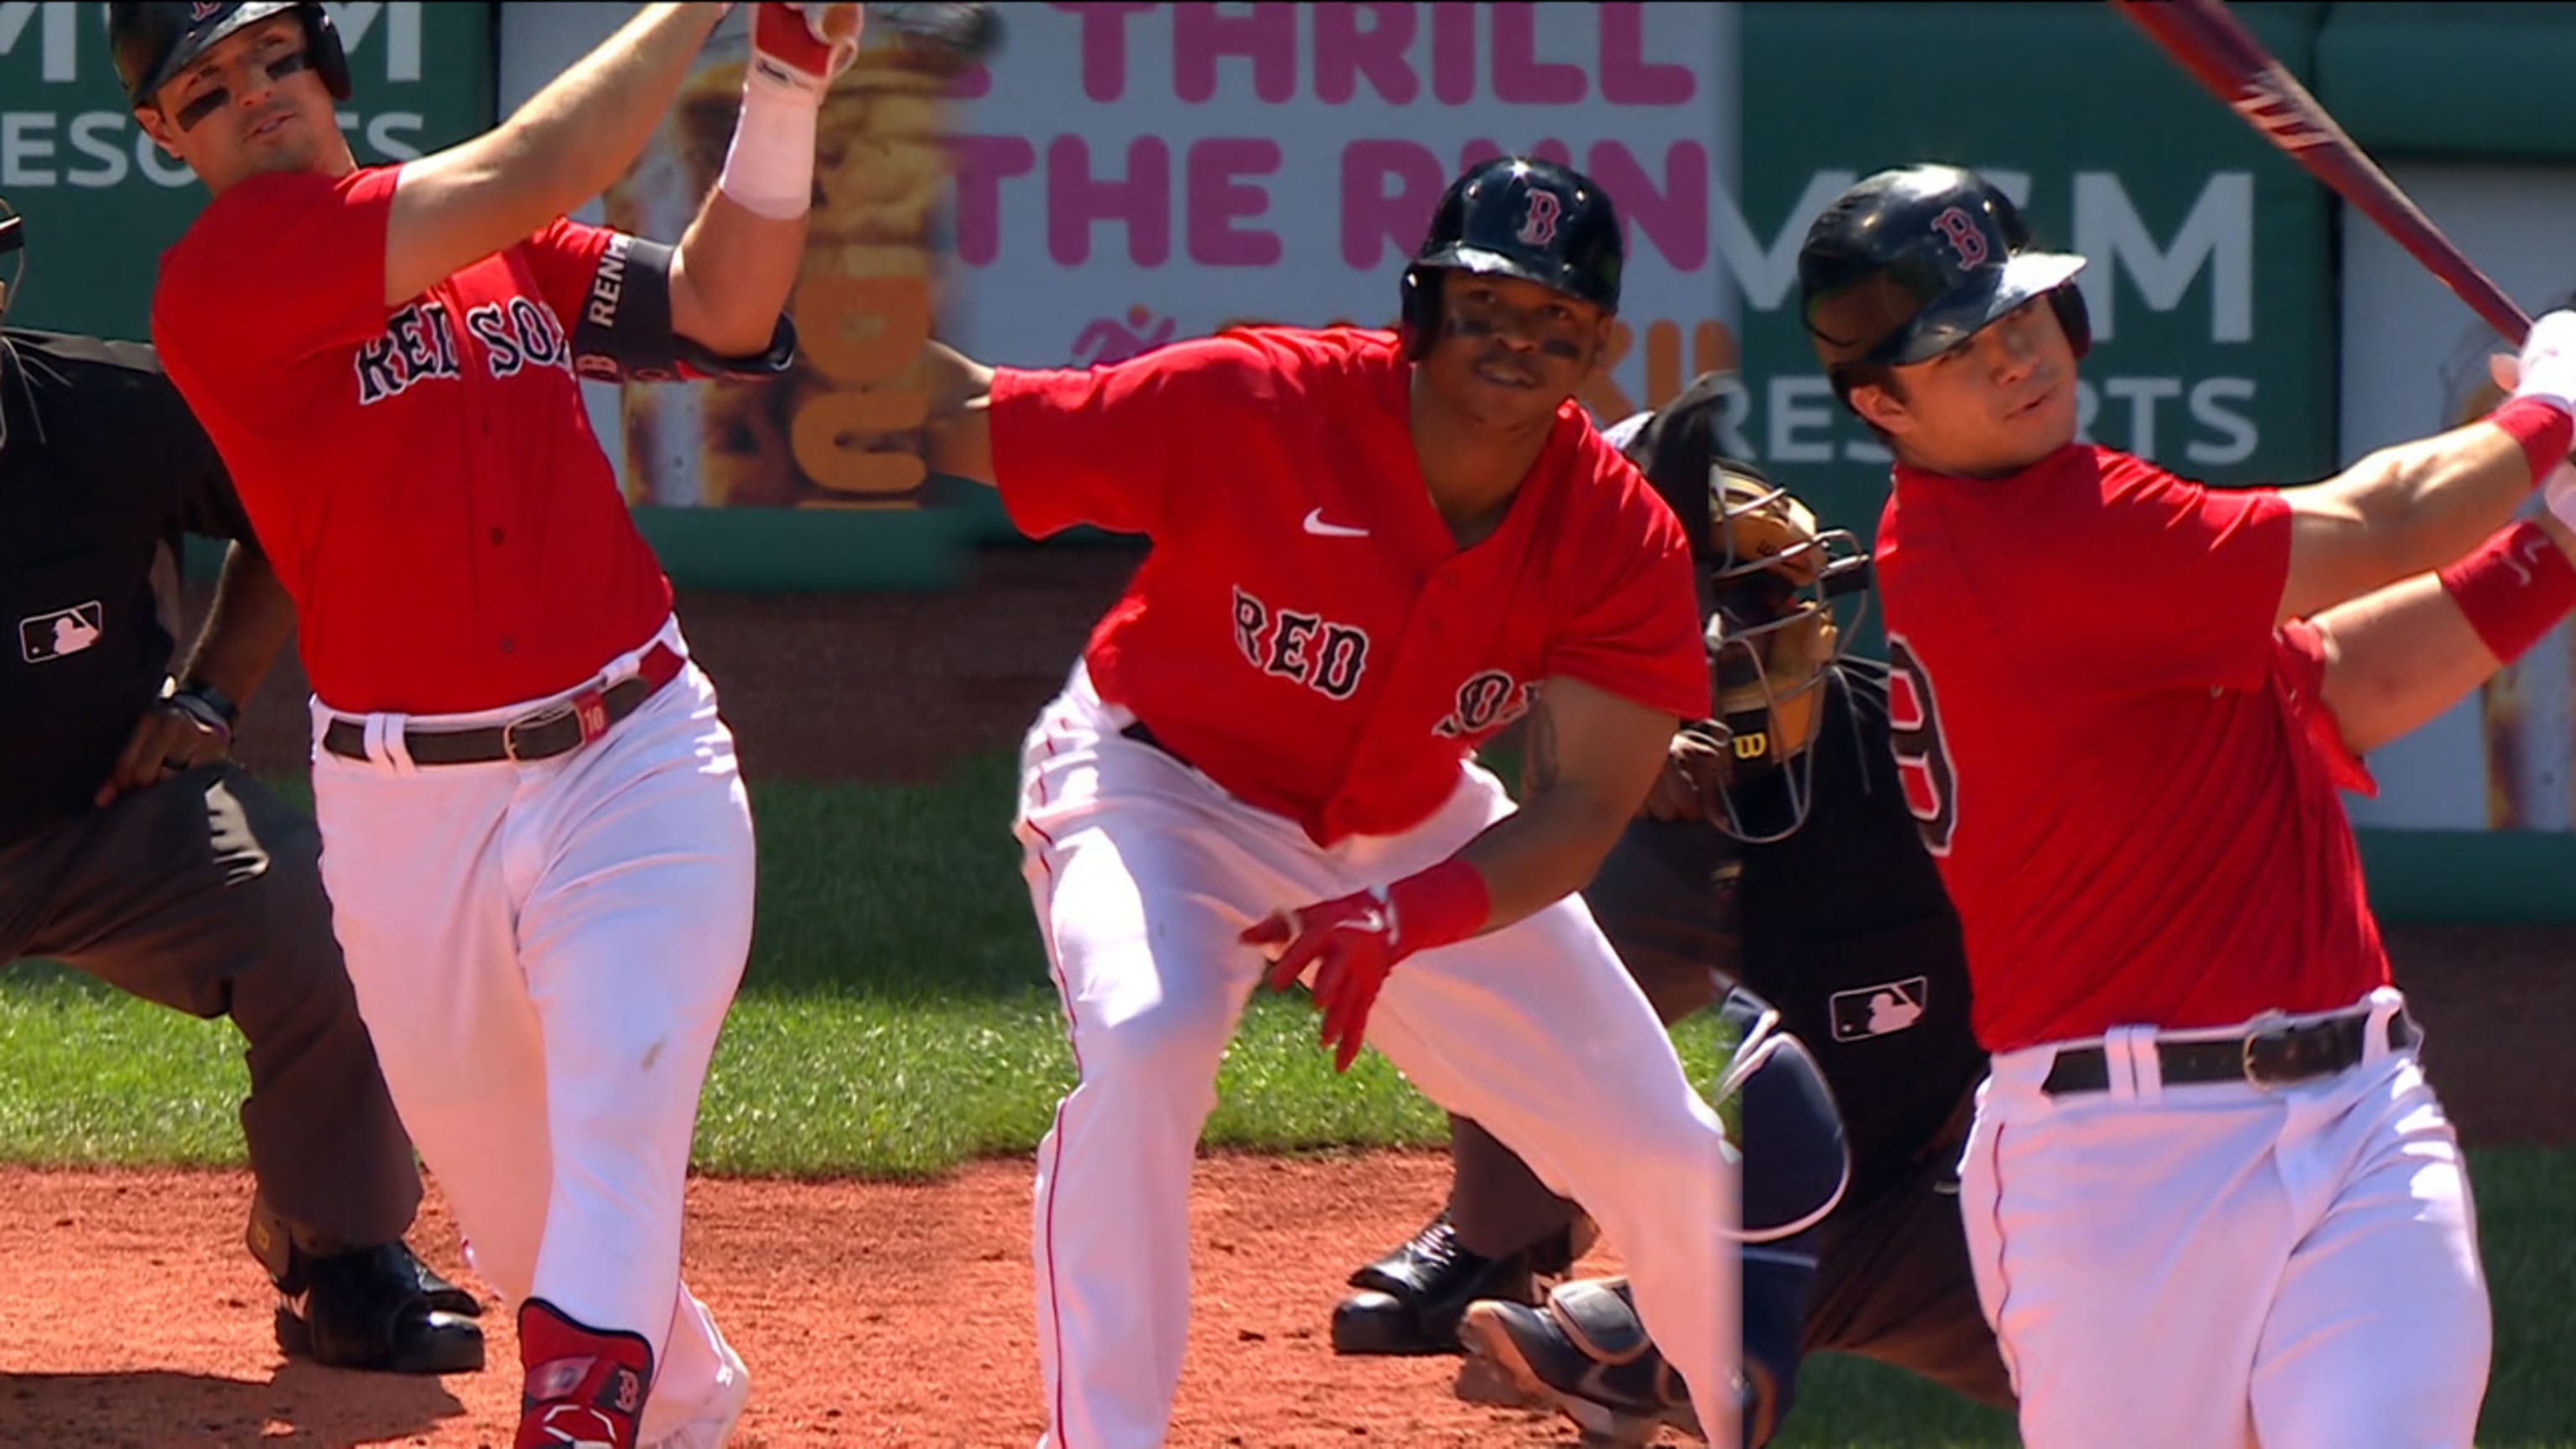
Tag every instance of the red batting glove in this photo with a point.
(1353, 941)
(800, 49)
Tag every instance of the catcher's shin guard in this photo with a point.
(585, 1386)
(1585, 1355)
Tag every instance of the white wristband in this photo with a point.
(2558, 493)
(769, 168)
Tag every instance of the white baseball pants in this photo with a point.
(2223, 1265)
(1142, 872)
(544, 954)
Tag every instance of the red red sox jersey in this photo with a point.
(423, 476)
(2121, 765)
(1305, 629)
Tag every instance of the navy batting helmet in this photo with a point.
(1517, 216)
(154, 40)
(1913, 261)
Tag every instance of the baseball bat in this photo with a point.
(2231, 64)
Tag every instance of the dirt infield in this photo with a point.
(872, 1315)
(878, 1314)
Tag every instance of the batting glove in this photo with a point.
(798, 50)
(1353, 941)
(2547, 367)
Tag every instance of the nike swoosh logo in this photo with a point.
(1316, 525)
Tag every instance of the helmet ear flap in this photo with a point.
(330, 57)
(1421, 309)
(2072, 316)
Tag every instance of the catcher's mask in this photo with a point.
(1772, 639)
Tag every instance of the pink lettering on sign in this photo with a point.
(1218, 198)
(1453, 52)
(1627, 77)
(1076, 200)
(1344, 51)
(1104, 44)
(1390, 186)
(1267, 37)
(1474, 52)
(1674, 215)
(1374, 216)
(982, 164)
(1520, 77)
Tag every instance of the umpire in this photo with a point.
(1776, 853)
(132, 848)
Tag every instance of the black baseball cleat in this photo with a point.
(378, 1309)
(1584, 1355)
(1410, 1300)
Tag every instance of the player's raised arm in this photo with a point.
(961, 419)
(737, 261)
(2417, 506)
(2395, 658)
(565, 145)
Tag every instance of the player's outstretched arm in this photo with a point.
(2397, 657)
(961, 427)
(738, 259)
(2417, 506)
(567, 144)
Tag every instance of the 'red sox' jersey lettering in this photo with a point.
(1489, 700)
(1316, 652)
(1382, 651)
(423, 473)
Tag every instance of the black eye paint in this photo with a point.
(1459, 326)
(1560, 347)
(194, 113)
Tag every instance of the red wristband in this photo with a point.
(2544, 429)
(1438, 906)
(2513, 589)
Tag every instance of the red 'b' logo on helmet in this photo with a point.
(200, 12)
(1960, 230)
(1538, 224)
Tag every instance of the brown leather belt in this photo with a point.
(2270, 1056)
(557, 729)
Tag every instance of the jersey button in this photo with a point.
(497, 536)
(508, 644)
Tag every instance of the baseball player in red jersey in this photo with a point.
(536, 842)
(2209, 1196)
(1372, 551)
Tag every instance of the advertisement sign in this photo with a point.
(841, 431)
(2415, 363)
(101, 202)
(2209, 275)
(1129, 174)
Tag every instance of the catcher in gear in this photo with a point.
(1774, 856)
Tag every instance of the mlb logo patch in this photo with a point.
(44, 638)
(1881, 1010)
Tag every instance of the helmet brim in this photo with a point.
(1556, 277)
(192, 46)
(1956, 318)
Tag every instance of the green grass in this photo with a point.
(896, 1020)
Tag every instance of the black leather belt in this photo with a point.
(557, 729)
(2270, 1056)
(1144, 736)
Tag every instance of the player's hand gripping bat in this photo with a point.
(2202, 37)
